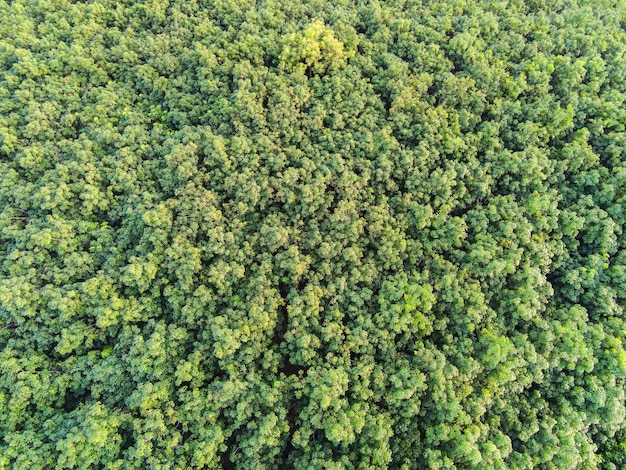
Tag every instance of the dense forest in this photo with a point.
(313, 234)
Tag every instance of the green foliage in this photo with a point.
(312, 234)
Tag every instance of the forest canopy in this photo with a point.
(312, 234)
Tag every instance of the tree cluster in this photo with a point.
(312, 234)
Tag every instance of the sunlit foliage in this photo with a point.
(312, 234)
